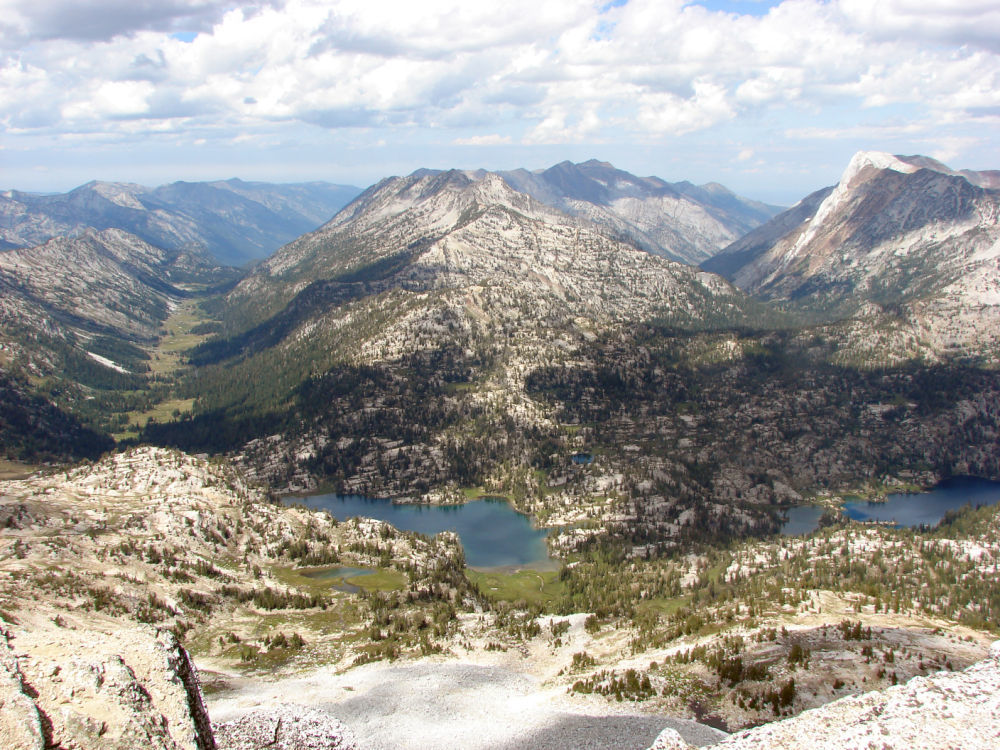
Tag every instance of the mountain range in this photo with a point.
(532, 336)
(506, 272)
(233, 221)
(452, 287)
(440, 230)
(680, 221)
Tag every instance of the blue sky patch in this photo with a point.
(739, 7)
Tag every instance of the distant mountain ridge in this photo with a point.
(680, 221)
(453, 283)
(236, 222)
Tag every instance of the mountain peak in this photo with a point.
(907, 165)
(879, 160)
(596, 163)
(424, 172)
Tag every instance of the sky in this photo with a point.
(770, 98)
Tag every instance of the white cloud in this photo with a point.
(112, 99)
(666, 113)
(562, 71)
(952, 22)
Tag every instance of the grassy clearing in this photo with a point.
(662, 606)
(166, 357)
(534, 587)
(382, 579)
(475, 493)
(162, 412)
(328, 634)
(16, 469)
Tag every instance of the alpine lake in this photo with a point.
(905, 508)
(493, 534)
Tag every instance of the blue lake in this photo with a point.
(802, 519)
(907, 509)
(493, 534)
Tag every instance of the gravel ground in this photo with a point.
(431, 705)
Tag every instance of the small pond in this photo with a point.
(340, 576)
(905, 509)
(583, 458)
(493, 534)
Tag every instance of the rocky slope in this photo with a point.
(456, 277)
(680, 221)
(233, 221)
(441, 230)
(157, 536)
(938, 712)
(97, 685)
(906, 244)
(284, 727)
(100, 283)
(101, 565)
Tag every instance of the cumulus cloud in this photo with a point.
(968, 22)
(562, 71)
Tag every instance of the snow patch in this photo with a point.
(877, 159)
(108, 363)
(988, 253)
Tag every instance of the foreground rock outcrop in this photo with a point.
(104, 567)
(114, 688)
(941, 711)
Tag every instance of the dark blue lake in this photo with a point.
(927, 507)
(493, 534)
(907, 509)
